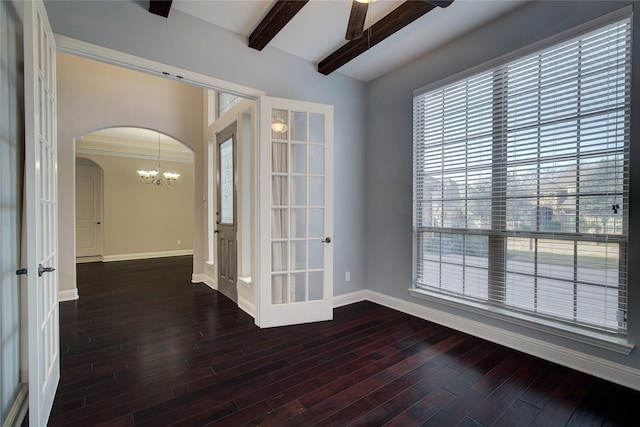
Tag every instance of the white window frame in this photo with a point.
(612, 340)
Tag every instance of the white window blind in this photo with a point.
(521, 183)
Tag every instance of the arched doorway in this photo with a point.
(138, 220)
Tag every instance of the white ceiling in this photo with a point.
(319, 28)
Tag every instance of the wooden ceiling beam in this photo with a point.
(399, 18)
(160, 7)
(278, 16)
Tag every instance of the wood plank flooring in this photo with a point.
(144, 346)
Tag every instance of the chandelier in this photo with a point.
(158, 177)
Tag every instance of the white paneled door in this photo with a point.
(41, 211)
(88, 211)
(296, 212)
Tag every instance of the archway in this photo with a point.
(139, 221)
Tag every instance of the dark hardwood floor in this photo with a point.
(144, 346)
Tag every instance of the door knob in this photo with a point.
(327, 240)
(42, 270)
(21, 271)
(216, 231)
(98, 222)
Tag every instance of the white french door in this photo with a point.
(41, 211)
(296, 212)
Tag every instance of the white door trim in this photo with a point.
(103, 54)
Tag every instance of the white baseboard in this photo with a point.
(146, 255)
(203, 278)
(68, 295)
(596, 366)
(18, 409)
(85, 259)
(350, 298)
(247, 306)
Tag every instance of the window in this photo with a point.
(226, 101)
(520, 184)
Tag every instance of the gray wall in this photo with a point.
(388, 260)
(192, 44)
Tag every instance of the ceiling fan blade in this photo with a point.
(355, 27)
(440, 3)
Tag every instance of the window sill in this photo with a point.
(601, 340)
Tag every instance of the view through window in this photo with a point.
(520, 183)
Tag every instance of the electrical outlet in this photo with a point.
(347, 276)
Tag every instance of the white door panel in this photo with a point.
(88, 211)
(296, 212)
(41, 211)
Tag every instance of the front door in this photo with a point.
(226, 215)
(88, 212)
(41, 201)
(296, 212)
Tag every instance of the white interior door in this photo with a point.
(296, 212)
(41, 211)
(88, 211)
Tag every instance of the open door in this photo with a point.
(41, 211)
(296, 212)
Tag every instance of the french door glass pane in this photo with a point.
(316, 254)
(316, 222)
(316, 191)
(299, 287)
(279, 157)
(316, 279)
(316, 159)
(298, 158)
(279, 256)
(316, 128)
(279, 286)
(298, 223)
(299, 255)
(279, 225)
(280, 124)
(299, 190)
(279, 191)
(299, 130)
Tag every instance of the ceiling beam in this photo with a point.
(160, 7)
(278, 16)
(399, 18)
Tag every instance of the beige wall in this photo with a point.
(93, 95)
(142, 219)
